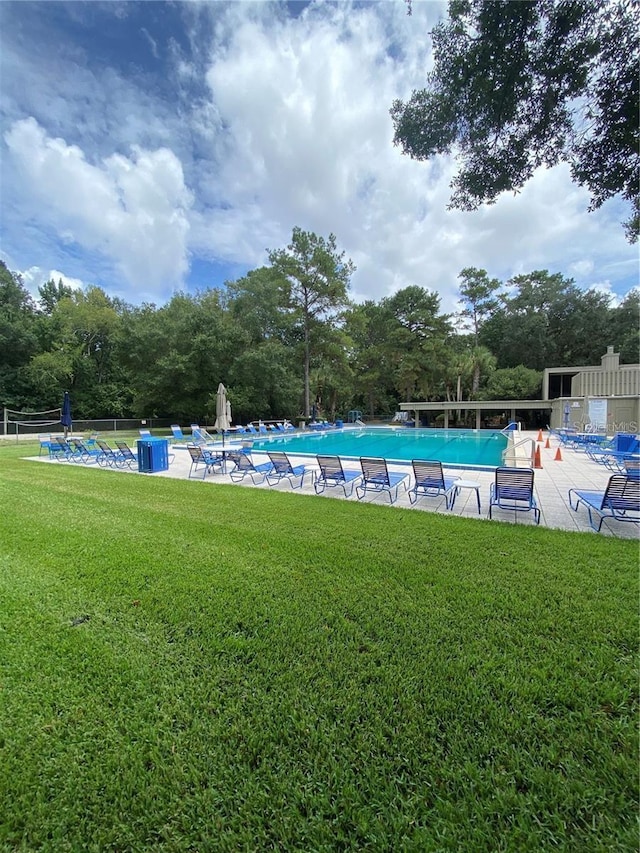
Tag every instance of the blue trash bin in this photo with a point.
(153, 455)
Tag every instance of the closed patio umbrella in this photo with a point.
(222, 418)
(65, 417)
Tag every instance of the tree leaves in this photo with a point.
(517, 86)
(317, 277)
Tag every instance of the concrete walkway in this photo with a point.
(552, 483)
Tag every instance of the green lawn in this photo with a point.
(196, 667)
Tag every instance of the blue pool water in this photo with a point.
(450, 446)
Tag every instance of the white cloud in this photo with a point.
(252, 120)
(307, 141)
(35, 277)
(581, 267)
(604, 288)
(153, 45)
(132, 210)
(305, 104)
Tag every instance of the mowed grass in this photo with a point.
(189, 666)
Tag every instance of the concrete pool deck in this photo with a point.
(551, 485)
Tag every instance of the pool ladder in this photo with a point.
(515, 454)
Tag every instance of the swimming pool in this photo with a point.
(453, 447)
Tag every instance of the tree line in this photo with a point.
(286, 338)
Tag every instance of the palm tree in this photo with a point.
(483, 362)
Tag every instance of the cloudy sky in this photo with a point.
(154, 147)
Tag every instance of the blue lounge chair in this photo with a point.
(250, 428)
(107, 457)
(614, 462)
(244, 466)
(622, 442)
(513, 490)
(91, 441)
(613, 454)
(586, 442)
(333, 474)
(620, 501)
(72, 450)
(45, 440)
(376, 477)
(177, 433)
(61, 450)
(430, 482)
(126, 456)
(53, 448)
(204, 459)
(565, 436)
(75, 450)
(200, 436)
(82, 452)
(625, 442)
(282, 469)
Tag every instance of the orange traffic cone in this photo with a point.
(558, 456)
(537, 463)
(539, 438)
(547, 445)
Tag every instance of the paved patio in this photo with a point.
(552, 483)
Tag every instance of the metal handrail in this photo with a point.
(510, 453)
(508, 429)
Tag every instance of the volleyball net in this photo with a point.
(29, 423)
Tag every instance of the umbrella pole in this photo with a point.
(224, 461)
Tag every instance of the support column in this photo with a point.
(478, 414)
(446, 418)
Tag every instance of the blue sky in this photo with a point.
(150, 148)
